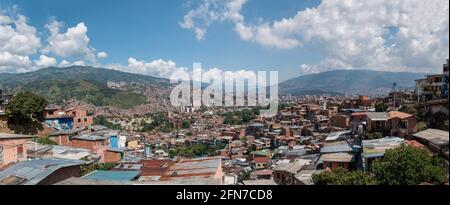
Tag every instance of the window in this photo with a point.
(404, 124)
(79, 120)
(85, 119)
(20, 151)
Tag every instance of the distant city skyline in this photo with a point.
(159, 37)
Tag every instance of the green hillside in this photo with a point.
(92, 92)
(350, 82)
(85, 84)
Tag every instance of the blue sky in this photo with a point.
(151, 30)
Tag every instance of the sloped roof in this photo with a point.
(377, 116)
(81, 181)
(14, 136)
(397, 114)
(34, 171)
(430, 134)
(269, 182)
(338, 157)
(293, 167)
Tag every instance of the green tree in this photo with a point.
(245, 176)
(186, 125)
(24, 111)
(343, 177)
(407, 165)
(381, 107)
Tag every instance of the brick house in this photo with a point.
(13, 148)
(261, 163)
(391, 123)
(338, 160)
(67, 119)
(98, 144)
(284, 173)
(342, 121)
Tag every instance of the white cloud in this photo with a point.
(45, 61)
(72, 43)
(12, 63)
(211, 11)
(158, 68)
(64, 63)
(18, 40)
(78, 63)
(399, 35)
(17, 37)
(102, 55)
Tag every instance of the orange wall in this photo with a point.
(111, 157)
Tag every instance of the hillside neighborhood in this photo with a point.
(400, 138)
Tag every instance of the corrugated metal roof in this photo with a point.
(336, 148)
(80, 181)
(433, 133)
(265, 182)
(338, 157)
(14, 136)
(112, 175)
(377, 147)
(377, 116)
(35, 171)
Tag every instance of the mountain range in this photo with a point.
(106, 87)
(350, 82)
(97, 86)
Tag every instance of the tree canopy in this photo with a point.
(25, 107)
(404, 165)
(381, 107)
(408, 165)
(24, 111)
(342, 177)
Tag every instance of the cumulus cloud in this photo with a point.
(17, 37)
(18, 40)
(72, 43)
(45, 61)
(400, 35)
(211, 11)
(78, 63)
(158, 68)
(64, 63)
(102, 55)
(11, 63)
